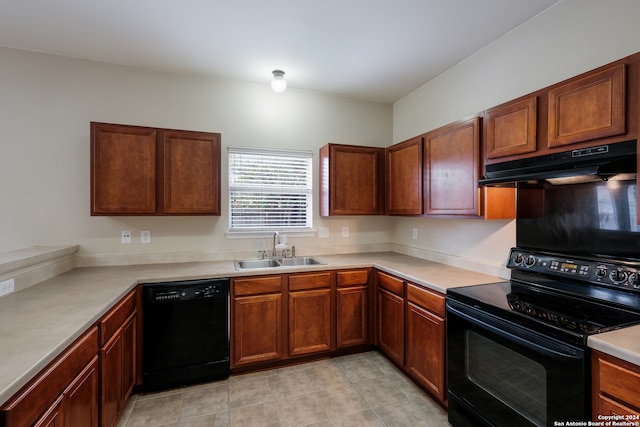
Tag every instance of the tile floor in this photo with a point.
(357, 390)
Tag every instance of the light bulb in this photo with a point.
(278, 83)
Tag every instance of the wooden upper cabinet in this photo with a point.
(404, 178)
(451, 159)
(511, 128)
(191, 172)
(123, 169)
(150, 171)
(351, 180)
(588, 108)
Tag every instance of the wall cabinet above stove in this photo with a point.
(151, 171)
(594, 108)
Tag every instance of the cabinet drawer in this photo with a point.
(352, 277)
(426, 299)
(26, 406)
(257, 285)
(390, 283)
(620, 383)
(300, 282)
(111, 321)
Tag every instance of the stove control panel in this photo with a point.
(609, 273)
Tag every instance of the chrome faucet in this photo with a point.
(275, 242)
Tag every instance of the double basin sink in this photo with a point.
(275, 262)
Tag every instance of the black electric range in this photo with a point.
(564, 297)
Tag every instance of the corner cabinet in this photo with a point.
(151, 171)
(351, 180)
(404, 178)
(452, 169)
(352, 307)
(390, 316)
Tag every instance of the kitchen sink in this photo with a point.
(246, 264)
(305, 260)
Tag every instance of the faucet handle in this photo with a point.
(293, 251)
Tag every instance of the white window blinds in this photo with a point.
(269, 189)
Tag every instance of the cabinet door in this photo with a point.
(588, 108)
(425, 349)
(123, 169)
(111, 380)
(351, 308)
(129, 356)
(511, 128)
(390, 309)
(191, 172)
(351, 180)
(309, 321)
(81, 398)
(257, 333)
(451, 157)
(404, 178)
(53, 417)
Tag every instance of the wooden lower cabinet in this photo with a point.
(615, 386)
(257, 320)
(63, 394)
(425, 340)
(390, 312)
(310, 322)
(117, 359)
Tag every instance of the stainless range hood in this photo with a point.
(588, 164)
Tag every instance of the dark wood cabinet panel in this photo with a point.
(511, 128)
(81, 398)
(588, 108)
(452, 162)
(44, 400)
(615, 386)
(425, 340)
(152, 171)
(404, 178)
(351, 180)
(123, 169)
(191, 172)
(118, 362)
(390, 316)
(352, 319)
(309, 321)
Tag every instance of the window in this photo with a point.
(269, 189)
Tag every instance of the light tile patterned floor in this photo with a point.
(358, 390)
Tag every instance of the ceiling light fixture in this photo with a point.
(278, 83)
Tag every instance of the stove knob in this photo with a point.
(601, 272)
(633, 280)
(618, 276)
(518, 259)
(530, 261)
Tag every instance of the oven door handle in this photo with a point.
(533, 341)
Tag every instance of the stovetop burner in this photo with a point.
(564, 297)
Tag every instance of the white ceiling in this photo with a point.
(377, 50)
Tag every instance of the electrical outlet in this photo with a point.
(125, 236)
(6, 287)
(345, 231)
(323, 232)
(145, 236)
(414, 233)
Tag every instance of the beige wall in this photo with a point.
(47, 102)
(567, 39)
(46, 105)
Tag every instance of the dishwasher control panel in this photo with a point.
(162, 292)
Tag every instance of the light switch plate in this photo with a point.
(323, 232)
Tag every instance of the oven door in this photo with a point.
(502, 374)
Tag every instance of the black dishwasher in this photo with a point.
(186, 332)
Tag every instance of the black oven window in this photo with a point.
(515, 380)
